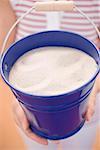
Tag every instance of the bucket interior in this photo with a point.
(42, 39)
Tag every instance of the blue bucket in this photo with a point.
(59, 116)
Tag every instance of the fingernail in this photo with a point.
(24, 126)
(88, 118)
(45, 143)
(56, 142)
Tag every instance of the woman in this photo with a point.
(35, 22)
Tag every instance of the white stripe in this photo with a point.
(33, 23)
(96, 19)
(84, 33)
(93, 37)
(24, 8)
(32, 31)
(78, 23)
(25, 23)
(22, 34)
(18, 38)
(93, 8)
(31, 16)
(89, 33)
(88, 2)
(90, 36)
(78, 15)
(73, 26)
(30, 28)
(83, 21)
(26, 2)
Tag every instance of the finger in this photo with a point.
(92, 96)
(22, 122)
(20, 117)
(24, 125)
(60, 146)
(16, 116)
(89, 114)
(34, 137)
(16, 121)
(56, 141)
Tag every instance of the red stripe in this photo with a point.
(97, 22)
(65, 21)
(87, 5)
(33, 26)
(85, 11)
(36, 14)
(21, 35)
(68, 28)
(28, 31)
(35, 20)
(91, 11)
(23, 5)
(75, 18)
(75, 23)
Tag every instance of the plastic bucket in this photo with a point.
(59, 116)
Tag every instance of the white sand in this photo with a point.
(52, 70)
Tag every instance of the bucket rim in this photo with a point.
(54, 109)
(56, 95)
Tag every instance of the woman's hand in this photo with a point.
(89, 110)
(21, 120)
(92, 100)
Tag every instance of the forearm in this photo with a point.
(95, 90)
(98, 40)
(98, 83)
(7, 18)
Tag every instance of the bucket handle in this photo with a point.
(34, 7)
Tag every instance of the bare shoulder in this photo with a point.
(6, 8)
(4, 4)
(7, 19)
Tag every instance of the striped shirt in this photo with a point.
(68, 21)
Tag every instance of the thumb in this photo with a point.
(22, 121)
(89, 112)
(20, 116)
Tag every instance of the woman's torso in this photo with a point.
(68, 21)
